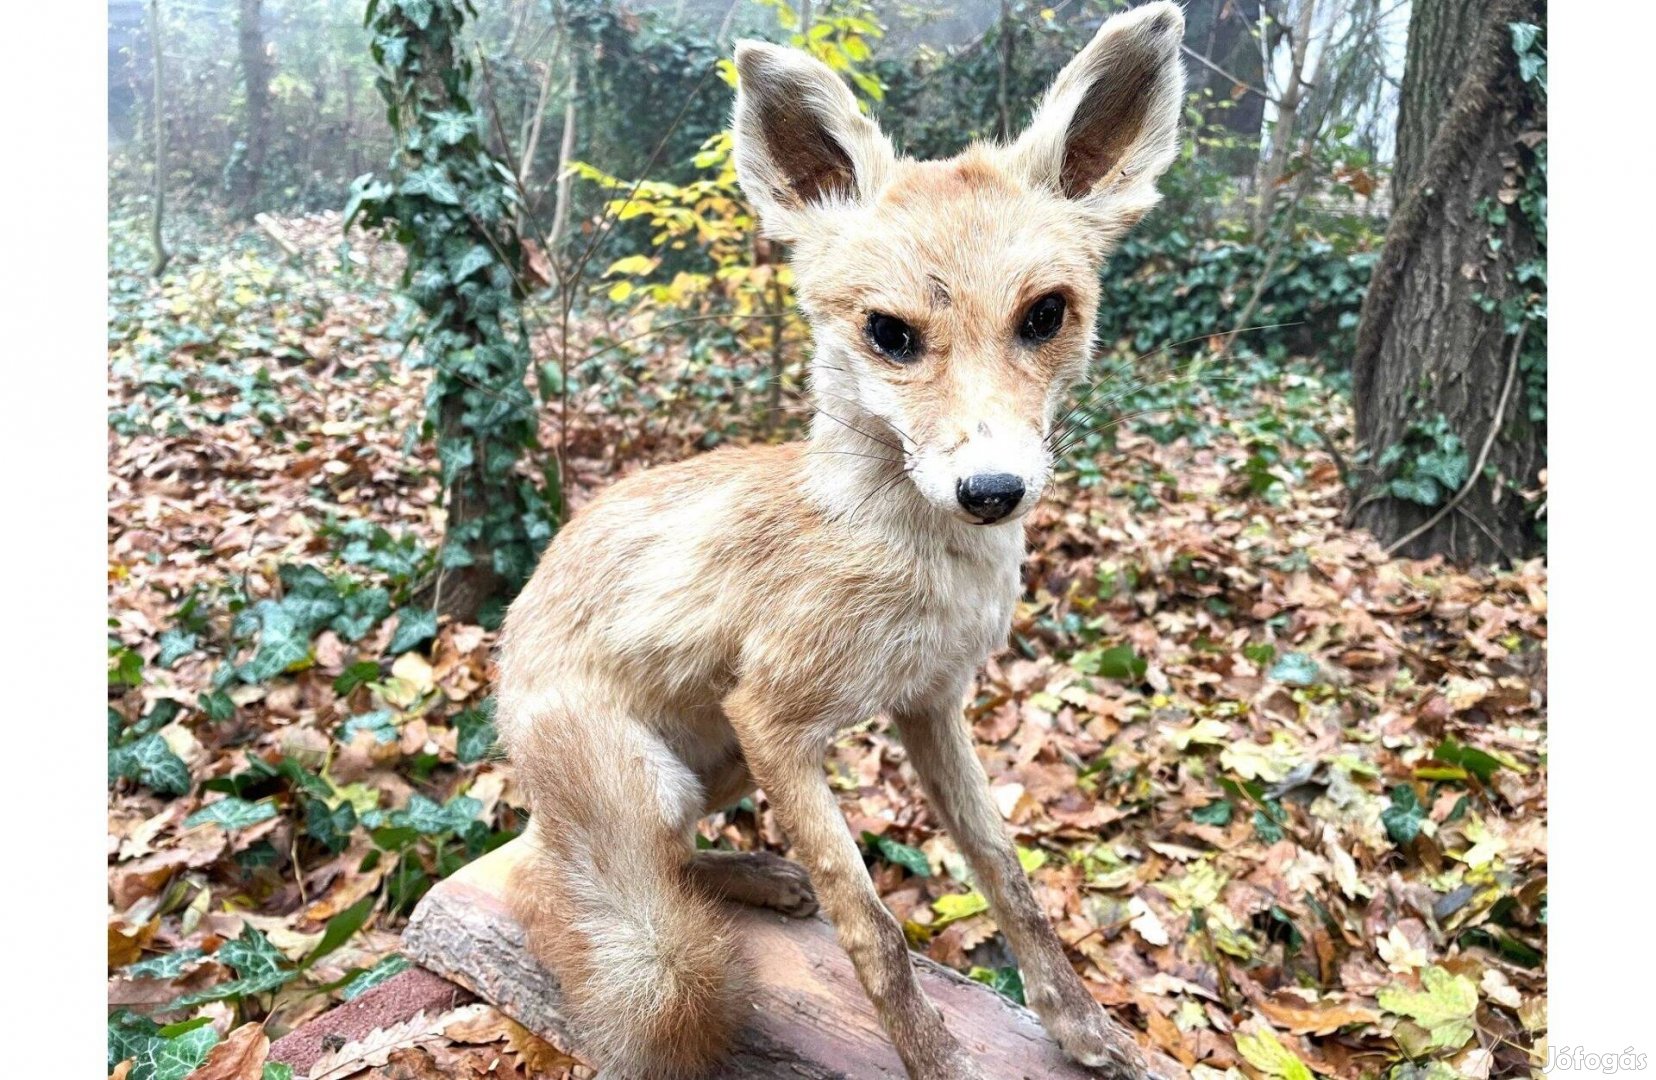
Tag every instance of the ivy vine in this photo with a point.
(451, 204)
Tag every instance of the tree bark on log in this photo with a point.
(1425, 345)
(811, 1020)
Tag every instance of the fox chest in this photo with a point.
(953, 614)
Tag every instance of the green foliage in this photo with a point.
(475, 735)
(451, 204)
(158, 1053)
(1404, 816)
(1526, 306)
(187, 348)
(1218, 812)
(898, 854)
(231, 813)
(138, 752)
(1296, 669)
(1003, 980)
(258, 965)
(365, 980)
(1428, 464)
(699, 272)
(1117, 662)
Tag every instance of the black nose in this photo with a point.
(989, 496)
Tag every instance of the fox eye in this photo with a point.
(892, 336)
(1043, 319)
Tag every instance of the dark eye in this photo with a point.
(894, 337)
(1043, 319)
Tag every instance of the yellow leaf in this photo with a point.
(1444, 1006)
(416, 669)
(1262, 1050)
(957, 906)
(636, 265)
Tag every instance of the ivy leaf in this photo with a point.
(414, 626)
(259, 967)
(418, 11)
(283, 644)
(474, 736)
(330, 827)
(276, 1070)
(1403, 817)
(155, 1055)
(429, 818)
(380, 723)
(151, 762)
(175, 645)
(1295, 669)
(475, 259)
(217, 705)
(431, 182)
(898, 854)
(232, 813)
(1217, 812)
(364, 981)
(361, 612)
(449, 128)
(251, 955)
(166, 966)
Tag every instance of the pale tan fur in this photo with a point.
(712, 625)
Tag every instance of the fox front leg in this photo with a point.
(790, 772)
(940, 748)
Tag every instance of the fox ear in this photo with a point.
(1109, 124)
(800, 141)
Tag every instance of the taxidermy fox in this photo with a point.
(711, 626)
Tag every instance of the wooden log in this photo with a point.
(811, 1019)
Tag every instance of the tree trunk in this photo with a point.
(1432, 342)
(158, 204)
(566, 151)
(1223, 31)
(530, 143)
(1275, 163)
(256, 77)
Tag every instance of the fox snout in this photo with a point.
(992, 477)
(989, 497)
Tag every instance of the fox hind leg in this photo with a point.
(650, 972)
(756, 878)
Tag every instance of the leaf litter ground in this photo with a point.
(1283, 797)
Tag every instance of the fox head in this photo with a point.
(952, 302)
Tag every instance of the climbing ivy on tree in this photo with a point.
(451, 204)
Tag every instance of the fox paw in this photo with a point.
(1088, 1035)
(787, 887)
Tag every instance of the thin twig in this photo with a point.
(1483, 454)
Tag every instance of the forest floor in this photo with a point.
(1284, 797)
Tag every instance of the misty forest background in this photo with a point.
(395, 287)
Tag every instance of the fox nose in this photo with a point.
(989, 496)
